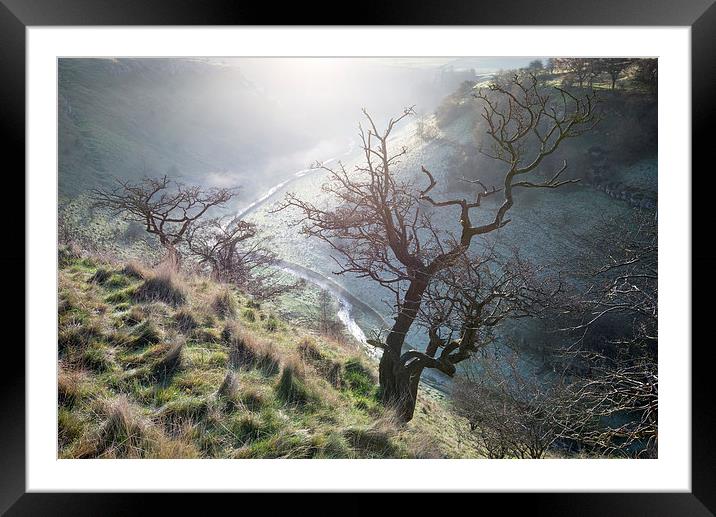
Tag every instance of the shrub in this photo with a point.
(163, 286)
(249, 315)
(224, 303)
(271, 324)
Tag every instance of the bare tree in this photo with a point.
(166, 209)
(620, 263)
(382, 229)
(612, 407)
(215, 242)
(645, 72)
(615, 67)
(512, 408)
(236, 253)
(326, 322)
(614, 357)
(581, 68)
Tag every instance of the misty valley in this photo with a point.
(357, 258)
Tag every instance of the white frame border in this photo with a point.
(670, 472)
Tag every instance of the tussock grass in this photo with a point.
(163, 285)
(247, 351)
(148, 379)
(335, 446)
(96, 357)
(253, 399)
(224, 303)
(135, 269)
(170, 362)
(78, 337)
(144, 334)
(123, 433)
(122, 297)
(185, 408)
(377, 439)
(229, 386)
(67, 255)
(330, 370)
(70, 386)
(134, 315)
(271, 323)
(185, 320)
(251, 428)
(70, 426)
(292, 387)
(101, 276)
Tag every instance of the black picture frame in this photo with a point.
(700, 15)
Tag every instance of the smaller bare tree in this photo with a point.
(165, 208)
(613, 360)
(236, 253)
(326, 321)
(612, 407)
(512, 407)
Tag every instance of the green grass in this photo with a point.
(143, 378)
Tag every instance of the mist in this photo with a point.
(239, 122)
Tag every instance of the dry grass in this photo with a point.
(224, 303)
(136, 270)
(248, 351)
(292, 387)
(170, 362)
(185, 321)
(163, 285)
(229, 386)
(328, 369)
(70, 386)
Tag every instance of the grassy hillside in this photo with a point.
(153, 364)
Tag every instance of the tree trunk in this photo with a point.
(397, 388)
(173, 258)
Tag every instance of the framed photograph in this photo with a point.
(433, 254)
